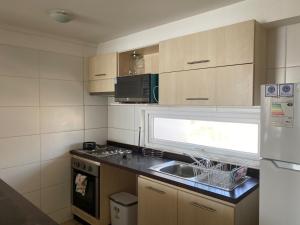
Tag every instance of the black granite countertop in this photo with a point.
(16, 210)
(140, 165)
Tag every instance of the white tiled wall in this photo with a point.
(283, 54)
(45, 110)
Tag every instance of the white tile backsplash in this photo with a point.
(34, 198)
(55, 198)
(16, 61)
(121, 116)
(97, 135)
(120, 135)
(55, 145)
(17, 121)
(95, 117)
(42, 98)
(23, 178)
(92, 99)
(55, 171)
(61, 93)
(293, 74)
(60, 66)
(293, 45)
(17, 151)
(58, 119)
(17, 91)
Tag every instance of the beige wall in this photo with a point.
(45, 110)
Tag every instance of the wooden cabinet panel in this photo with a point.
(189, 52)
(234, 85)
(193, 209)
(194, 87)
(103, 85)
(103, 66)
(157, 203)
(235, 44)
(171, 55)
(200, 50)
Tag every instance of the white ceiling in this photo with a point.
(101, 20)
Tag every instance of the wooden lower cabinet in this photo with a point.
(157, 203)
(195, 210)
(164, 204)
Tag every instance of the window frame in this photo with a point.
(244, 115)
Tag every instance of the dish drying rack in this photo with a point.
(220, 175)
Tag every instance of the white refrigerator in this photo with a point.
(280, 152)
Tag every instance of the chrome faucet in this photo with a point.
(198, 162)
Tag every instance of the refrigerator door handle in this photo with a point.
(286, 165)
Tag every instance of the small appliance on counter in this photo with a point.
(137, 89)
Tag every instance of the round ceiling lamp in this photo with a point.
(60, 15)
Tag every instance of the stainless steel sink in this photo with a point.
(174, 168)
(180, 170)
(192, 173)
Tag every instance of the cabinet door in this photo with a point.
(195, 210)
(171, 55)
(200, 50)
(157, 203)
(103, 66)
(235, 44)
(194, 87)
(234, 85)
(103, 85)
(189, 52)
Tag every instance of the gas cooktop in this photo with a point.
(106, 150)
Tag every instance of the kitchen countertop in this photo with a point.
(140, 165)
(16, 210)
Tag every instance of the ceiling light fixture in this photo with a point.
(60, 15)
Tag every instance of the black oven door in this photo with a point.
(89, 202)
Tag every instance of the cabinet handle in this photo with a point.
(199, 61)
(101, 74)
(156, 190)
(195, 204)
(195, 99)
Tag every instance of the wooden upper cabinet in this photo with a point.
(157, 203)
(229, 45)
(103, 66)
(188, 52)
(196, 210)
(235, 85)
(194, 87)
(235, 44)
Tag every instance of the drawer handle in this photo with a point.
(156, 190)
(198, 62)
(195, 99)
(101, 74)
(195, 204)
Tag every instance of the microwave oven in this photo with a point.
(137, 89)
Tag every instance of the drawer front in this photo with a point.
(193, 209)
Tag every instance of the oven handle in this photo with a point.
(86, 160)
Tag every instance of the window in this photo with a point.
(235, 134)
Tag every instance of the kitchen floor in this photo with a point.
(71, 222)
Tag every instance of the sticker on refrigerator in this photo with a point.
(282, 113)
(286, 90)
(271, 90)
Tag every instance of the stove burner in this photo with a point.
(104, 151)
